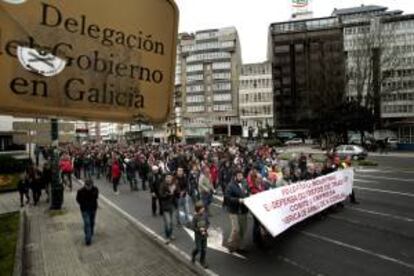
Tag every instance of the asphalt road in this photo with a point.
(375, 237)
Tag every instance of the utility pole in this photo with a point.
(56, 185)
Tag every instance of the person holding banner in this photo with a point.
(236, 192)
(347, 163)
(256, 187)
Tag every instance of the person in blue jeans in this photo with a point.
(87, 198)
(200, 226)
(167, 196)
(182, 196)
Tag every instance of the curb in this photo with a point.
(19, 258)
(171, 249)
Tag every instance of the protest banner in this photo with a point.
(283, 207)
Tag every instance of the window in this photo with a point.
(209, 56)
(222, 86)
(195, 88)
(222, 97)
(192, 78)
(193, 109)
(222, 76)
(206, 35)
(223, 107)
(195, 99)
(194, 68)
(221, 65)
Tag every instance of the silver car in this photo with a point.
(356, 152)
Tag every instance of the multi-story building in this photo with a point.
(308, 68)
(379, 46)
(256, 98)
(208, 79)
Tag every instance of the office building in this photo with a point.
(256, 98)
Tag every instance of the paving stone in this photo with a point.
(55, 245)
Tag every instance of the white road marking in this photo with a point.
(359, 249)
(363, 180)
(381, 214)
(214, 241)
(388, 178)
(153, 234)
(384, 191)
(294, 263)
(367, 170)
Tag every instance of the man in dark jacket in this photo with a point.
(47, 178)
(192, 183)
(155, 181)
(23, 188)
(87, 198)
(167, 195)
(225, 175)
(236, 192)
(36, 185)
(182, 196)
(143, 170)
(130, 168)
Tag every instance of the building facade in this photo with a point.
(308, 69)
(379, 46)
(207, 80)
(256, 98)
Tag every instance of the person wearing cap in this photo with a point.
(155, 181)
(87, 198)
(200, 225)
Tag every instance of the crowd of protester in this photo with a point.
(179, 176)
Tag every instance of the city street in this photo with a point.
(375, 237)
(302, 111)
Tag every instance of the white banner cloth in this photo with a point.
(283, 207)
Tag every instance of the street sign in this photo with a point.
(98, 60)
(42, 127)
(42, 140)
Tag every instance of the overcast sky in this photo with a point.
(253, 17)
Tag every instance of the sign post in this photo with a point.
(56, 185)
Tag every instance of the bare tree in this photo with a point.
(376, 50)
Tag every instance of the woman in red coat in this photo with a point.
(116, 175)
(214, 174)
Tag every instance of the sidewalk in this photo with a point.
(55, 245)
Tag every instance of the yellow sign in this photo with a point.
(99, 60)
(45, 127)
(41, 140)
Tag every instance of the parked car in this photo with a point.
(356, 152)
(393, 143)
(294, 141)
